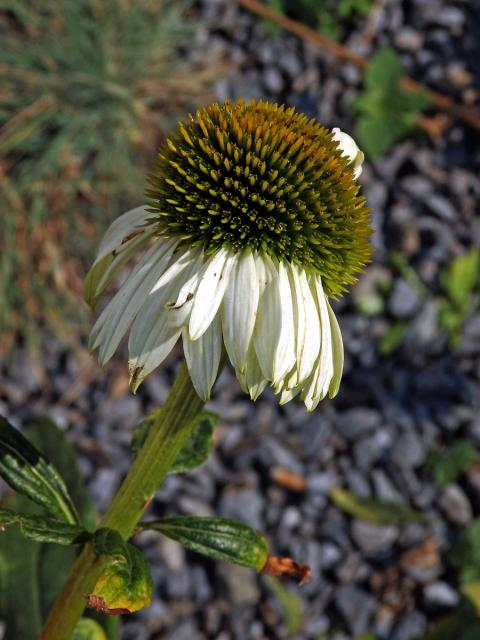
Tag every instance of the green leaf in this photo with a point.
(462, 624)
(219, 538)
(31, 573)
(392, 338)
(125, 584)
(27, 471)
(464, 554)
(88, 629)
(461, 277)
(289, 603)
(386, 112)
(348, 8)
(375, 511)
(44, 529)
(196, 449)
(449, 464)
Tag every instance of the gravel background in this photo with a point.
(374, 437)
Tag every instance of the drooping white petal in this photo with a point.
(337, 345)
(251, 378)
(289, 394)
(203, 357)
(349, 148)
(316, 387)
(117, 316)
(152, 337)
(181, 307)
(123, 237)
(102, 272)
(274, 330)
(211, 288)
(239, 309)
(307, 323)
(285, 353)
(134, 221)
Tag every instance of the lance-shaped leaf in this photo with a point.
(376, 511)
(44, 529)
(219, 538)
(229, 540)
(88, 629)
(27, 471)
(125, 584)
(196, 449)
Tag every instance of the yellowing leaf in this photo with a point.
(88, 629)
(125, 584)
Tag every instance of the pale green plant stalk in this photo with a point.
(167, 436)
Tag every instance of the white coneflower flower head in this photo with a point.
(254, 220)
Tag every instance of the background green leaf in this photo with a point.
(375, 511)
(31, 573)
(448, 464)
(386, 112)
(27, 471)
(196, 449)
(289, 603)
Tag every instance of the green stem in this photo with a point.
(155, 458)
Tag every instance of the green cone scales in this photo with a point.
(264, 177)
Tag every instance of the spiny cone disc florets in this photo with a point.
(262, 176)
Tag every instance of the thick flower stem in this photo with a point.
(155, 458)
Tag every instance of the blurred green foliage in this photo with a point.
(386, 113)
(465, 554)
(326, 16)
(449, 464)
(459, 280)
(31, 573)
(289, 604)
(89, 88)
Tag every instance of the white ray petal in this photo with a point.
(117, 316)
(285, 352)
(252, 379)
(274, 330)
(349, 148)
(203, 357)
(338, 355)
(239, 309)
(132, 222)
(152, 337)
(102, 271)
(289, 394)
(211, 288)
(181, 307)
(307, 323)
(316, 387)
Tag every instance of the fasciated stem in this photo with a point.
(167, 436)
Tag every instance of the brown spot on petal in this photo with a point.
(131, 235)
(99, 604)
(286, 567)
